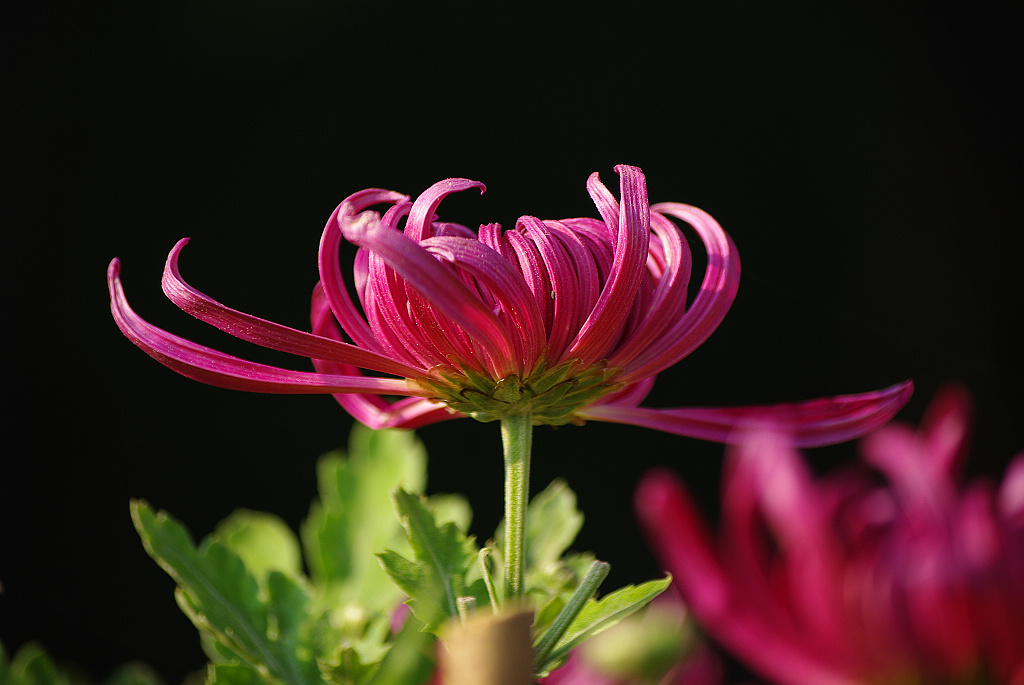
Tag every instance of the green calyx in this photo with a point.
(550, 395)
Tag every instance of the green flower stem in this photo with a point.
(585, 590)
(517, 439)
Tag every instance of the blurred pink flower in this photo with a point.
(843, 580)
(568, 320)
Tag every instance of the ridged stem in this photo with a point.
(517, 440)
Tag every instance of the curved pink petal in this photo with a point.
(668, 303)
(436, 284)
(716, 295)
(503, 282)
(417, 227)
(331, 273)
(582, 273)
(812, 423)
(1011, 493)
(373, 411)
(408, 414)
(608, 317)
(266, 333)
(562, 295)
(222, 370)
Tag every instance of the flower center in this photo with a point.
(550, 396)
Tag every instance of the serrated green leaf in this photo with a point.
(599, 615)
(355, 518)
(218, 594)
(435, 578)
(263, 541)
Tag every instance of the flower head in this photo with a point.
(566, 320)
(845, 580)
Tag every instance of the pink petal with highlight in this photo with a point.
(812, 423)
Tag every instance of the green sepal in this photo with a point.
(543, 380)
(550, 396)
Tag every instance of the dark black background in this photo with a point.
(864, 156)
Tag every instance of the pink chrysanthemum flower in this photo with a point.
(848, 581)
(563, 320)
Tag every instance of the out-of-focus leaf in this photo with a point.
(31, 665)
(552, 523)
(263, 541)
(354, 518)
(134, 673)
(411, 658)
(233, 674)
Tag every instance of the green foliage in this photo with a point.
(263, 619)
(599, 615)
(444, 573)
(31, 665)
(354, 518)
(435, 579)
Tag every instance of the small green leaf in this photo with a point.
(354, 518)
(602, 614)
(31, 666)
(435, 579)
(263, 541)
(553, 523)
(643, 647)
(219, 594)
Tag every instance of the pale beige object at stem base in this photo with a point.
(489, 650)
